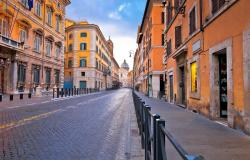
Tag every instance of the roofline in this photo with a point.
(144, 15)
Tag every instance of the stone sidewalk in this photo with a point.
(199, 135)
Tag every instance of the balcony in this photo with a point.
(10, 42)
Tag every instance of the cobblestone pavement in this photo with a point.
(92, 127)
(199, 135)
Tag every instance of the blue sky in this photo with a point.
(118, 19)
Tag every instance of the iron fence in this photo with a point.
(153, 134)
(67, 92)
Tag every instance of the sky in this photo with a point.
(118, 19)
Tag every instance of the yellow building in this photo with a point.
(31, 36)
(88, 57)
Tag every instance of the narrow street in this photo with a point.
(93, 127)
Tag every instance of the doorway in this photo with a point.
(222, 59)
(83, 84)
(171, 88)
(162, 86)
(182, 85)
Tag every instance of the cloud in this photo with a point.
(123, 6)
(115, 15)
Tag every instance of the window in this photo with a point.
(48, 76)
(25, 3)
(83, 62)
(70, 36)
(178, 37)
(169, 47)
(177, 4)
(57, 76)
(192, 21)
(162, 39)
(193, 67)
(48, 47)
(57, 23)
(217, 5)
(83, 46)
(23, 35)
(4, 28)
(83, 74)
(58, 50)
(36, 75)
(38, 8)
(49, 16)
(21, 73)
(169, 13)
(70, 47)
(37, 42)
(162, 17)
(70, 63)
(83, 34)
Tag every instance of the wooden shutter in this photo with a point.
(178, 38)
(192, 20)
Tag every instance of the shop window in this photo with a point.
(48, 76)
(57, 76)
(36, 75)
(193, 68)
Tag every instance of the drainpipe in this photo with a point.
(201, 14)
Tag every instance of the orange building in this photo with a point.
(207, 58)
(31, 45)
(150, 50)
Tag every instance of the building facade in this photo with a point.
(31, 48)
(88, 57)
(150, 50)
(207, 58)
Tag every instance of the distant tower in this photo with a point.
(111, 46)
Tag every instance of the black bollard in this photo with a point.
(57, 93)
(11, 97)
(53, 93)
(21, 96)
(29, 95)
(62, 92)
(1, 98)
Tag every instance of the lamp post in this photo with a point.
(131, 52)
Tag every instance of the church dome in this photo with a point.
(125, 65)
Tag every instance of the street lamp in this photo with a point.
(131, 52)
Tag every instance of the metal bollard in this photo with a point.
(21, 96)
(53, 93)
(155, 117)
(159, 139)
(29, 95)
(57, 93)
(62, 92)
(11, 97)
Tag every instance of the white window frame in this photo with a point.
(38, 8)
(37, 43)
(48, 48)
(49, 16)
(23, 35)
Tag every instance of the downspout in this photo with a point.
(201, 16)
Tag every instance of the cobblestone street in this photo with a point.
(93, 127)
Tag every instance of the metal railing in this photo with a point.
(67, 92)
(153, 133)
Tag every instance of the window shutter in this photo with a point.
(192, 19)
(178, 38)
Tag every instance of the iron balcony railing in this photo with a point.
(153, 133)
